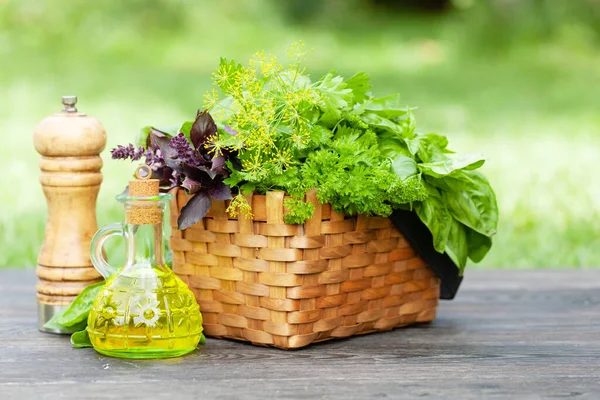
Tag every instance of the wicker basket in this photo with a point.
(274, 284)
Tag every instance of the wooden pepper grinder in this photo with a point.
(70, 143)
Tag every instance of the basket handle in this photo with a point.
(97, 245)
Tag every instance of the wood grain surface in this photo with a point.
(508, 334)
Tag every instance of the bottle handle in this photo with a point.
(97, 245)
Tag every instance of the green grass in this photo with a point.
(529, 105)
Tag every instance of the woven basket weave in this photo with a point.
(274, 284)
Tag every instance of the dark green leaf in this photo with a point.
(478, 245)
(435, 216)
(472, 201)
(77, 312)
(195, 209)
(81, 339)
(456, 247)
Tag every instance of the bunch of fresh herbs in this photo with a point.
(275, 129)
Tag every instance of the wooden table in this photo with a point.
(509, 334)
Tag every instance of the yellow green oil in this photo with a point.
(145, 312)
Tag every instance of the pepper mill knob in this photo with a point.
(70, 143)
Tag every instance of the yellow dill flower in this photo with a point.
(269, 66)
(224, 75)
(239, 205)
(296, 50)
(268, 105)
(257, 59)
(210, 99)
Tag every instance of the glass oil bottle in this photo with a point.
(144, 309)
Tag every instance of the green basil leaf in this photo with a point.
(170, 131)
(81, 339)
(478, 245)
(441, 168)
(404, 167)
(185, 128)
(143, 138)
(391, 145)
(66, 329)
(435, 215)
(457, 247)
(78, 311)
(428, 147)
(472, 201)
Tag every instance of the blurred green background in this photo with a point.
(517, 80)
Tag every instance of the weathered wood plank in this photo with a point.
(508, 334)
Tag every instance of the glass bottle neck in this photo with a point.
(144, 245)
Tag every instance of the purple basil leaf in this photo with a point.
(203, 129)
(218, 166)
(220, 192)
(169, 154)
(191, 185)
(194, 210)
(200, 174)
(165, 175)
(211, 173)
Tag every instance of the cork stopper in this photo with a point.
(143, 212)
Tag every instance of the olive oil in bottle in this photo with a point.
(144, 310)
